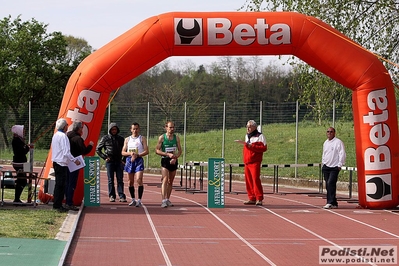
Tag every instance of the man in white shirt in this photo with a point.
(61, 156)
(333, 159)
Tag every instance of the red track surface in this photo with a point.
(287, 230)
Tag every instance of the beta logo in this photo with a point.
(221, 31)
(377, 157)
(87, 103)
(379, 187)
(188, 31)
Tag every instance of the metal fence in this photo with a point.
(188, 118)
(193, 118)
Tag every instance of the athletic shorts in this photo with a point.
(135, 166)
(165, 163)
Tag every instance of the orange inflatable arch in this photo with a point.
(259, 33)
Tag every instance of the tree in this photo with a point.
(372, 24)
(34, 67)
(77, 49)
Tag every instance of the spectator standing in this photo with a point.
(78, 148)
(61, 156)
(110, 149)
(20, 149)
(254, 147)
(333, 159)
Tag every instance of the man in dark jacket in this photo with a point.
(112, 145)
(20, 149)
(78, 148)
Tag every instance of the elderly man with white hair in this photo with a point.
(254, 147)
(61, 156)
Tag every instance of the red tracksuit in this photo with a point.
(253, 155)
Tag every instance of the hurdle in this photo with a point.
(231, 165)
(191, 185)
(320, 185)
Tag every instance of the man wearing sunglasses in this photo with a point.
(333, 159)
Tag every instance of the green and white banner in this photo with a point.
(92, 181)
(215, 183)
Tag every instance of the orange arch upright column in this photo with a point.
(259, 33)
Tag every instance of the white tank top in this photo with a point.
(135, 144)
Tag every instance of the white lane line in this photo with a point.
(305, 229)
(309, 231)
(233, 231)
(154, 230)
(339, 214)
(281, 217)
(392, 212)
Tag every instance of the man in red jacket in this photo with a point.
(254, 147)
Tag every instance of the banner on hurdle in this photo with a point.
(215, 183)
(92, 181)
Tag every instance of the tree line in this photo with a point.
(35, 66)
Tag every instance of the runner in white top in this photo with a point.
(134, 148)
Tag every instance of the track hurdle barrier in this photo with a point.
(231, 165)
(190, 185)
(350, 183)
(190, 169)
(320, 185)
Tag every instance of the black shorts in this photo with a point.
(165, 163)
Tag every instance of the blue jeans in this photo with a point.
(331, 177)
(72, 180)
(115, 168)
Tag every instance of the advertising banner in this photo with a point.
(215, 183)
(92, 181)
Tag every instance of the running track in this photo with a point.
(287, 230)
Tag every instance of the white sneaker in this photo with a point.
(133, 203)
(139, 204)
(170, 204)
(164, 204)
(328, 206)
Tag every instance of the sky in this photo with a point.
(101, 21)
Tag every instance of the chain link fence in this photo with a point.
(189, 119)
